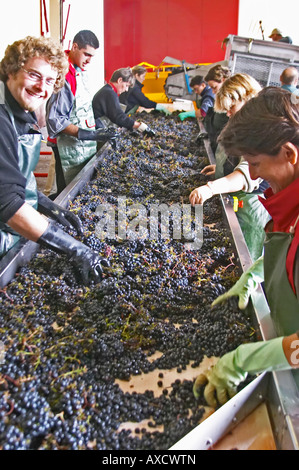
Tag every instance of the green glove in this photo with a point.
(246, 285)
(232, 369)
(162, 108)
(186, 114)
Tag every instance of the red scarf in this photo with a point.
(113, 87)
(71, 75)
(283, 207)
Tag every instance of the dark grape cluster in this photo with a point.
(67, 345)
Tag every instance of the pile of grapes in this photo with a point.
(64, 346)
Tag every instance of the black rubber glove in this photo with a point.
(101, 135)
(57, 213)
(149, 132)
(88, 263)
(201, 136)
(144, 129)
(99, 124)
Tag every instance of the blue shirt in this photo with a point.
(205, 100)
(291, 88)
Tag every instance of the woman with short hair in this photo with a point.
(216, 76)
(266, 133)
(135, 98)
(106, 105)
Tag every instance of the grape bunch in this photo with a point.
(67, 346)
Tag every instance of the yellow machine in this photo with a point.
(154, 82)
(156, 78)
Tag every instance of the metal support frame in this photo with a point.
(43, 18)
(63, 26)
(258, 48)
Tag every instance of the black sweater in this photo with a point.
(137, 98)
(106, 103)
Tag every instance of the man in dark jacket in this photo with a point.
(205, 99)
(277, 36)
(106, 105)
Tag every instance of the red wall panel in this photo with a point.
(149, 30)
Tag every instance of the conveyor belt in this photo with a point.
(279, 390)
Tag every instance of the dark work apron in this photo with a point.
(283, 303)
(75, 153)
(28, 153)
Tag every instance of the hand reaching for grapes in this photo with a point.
(63, 216)
(88, 263)
(221, 381)
(246, 285)
(208, 170)
(200, 195)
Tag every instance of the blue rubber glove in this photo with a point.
(221, 381)
(246, 285)
(186, 115)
